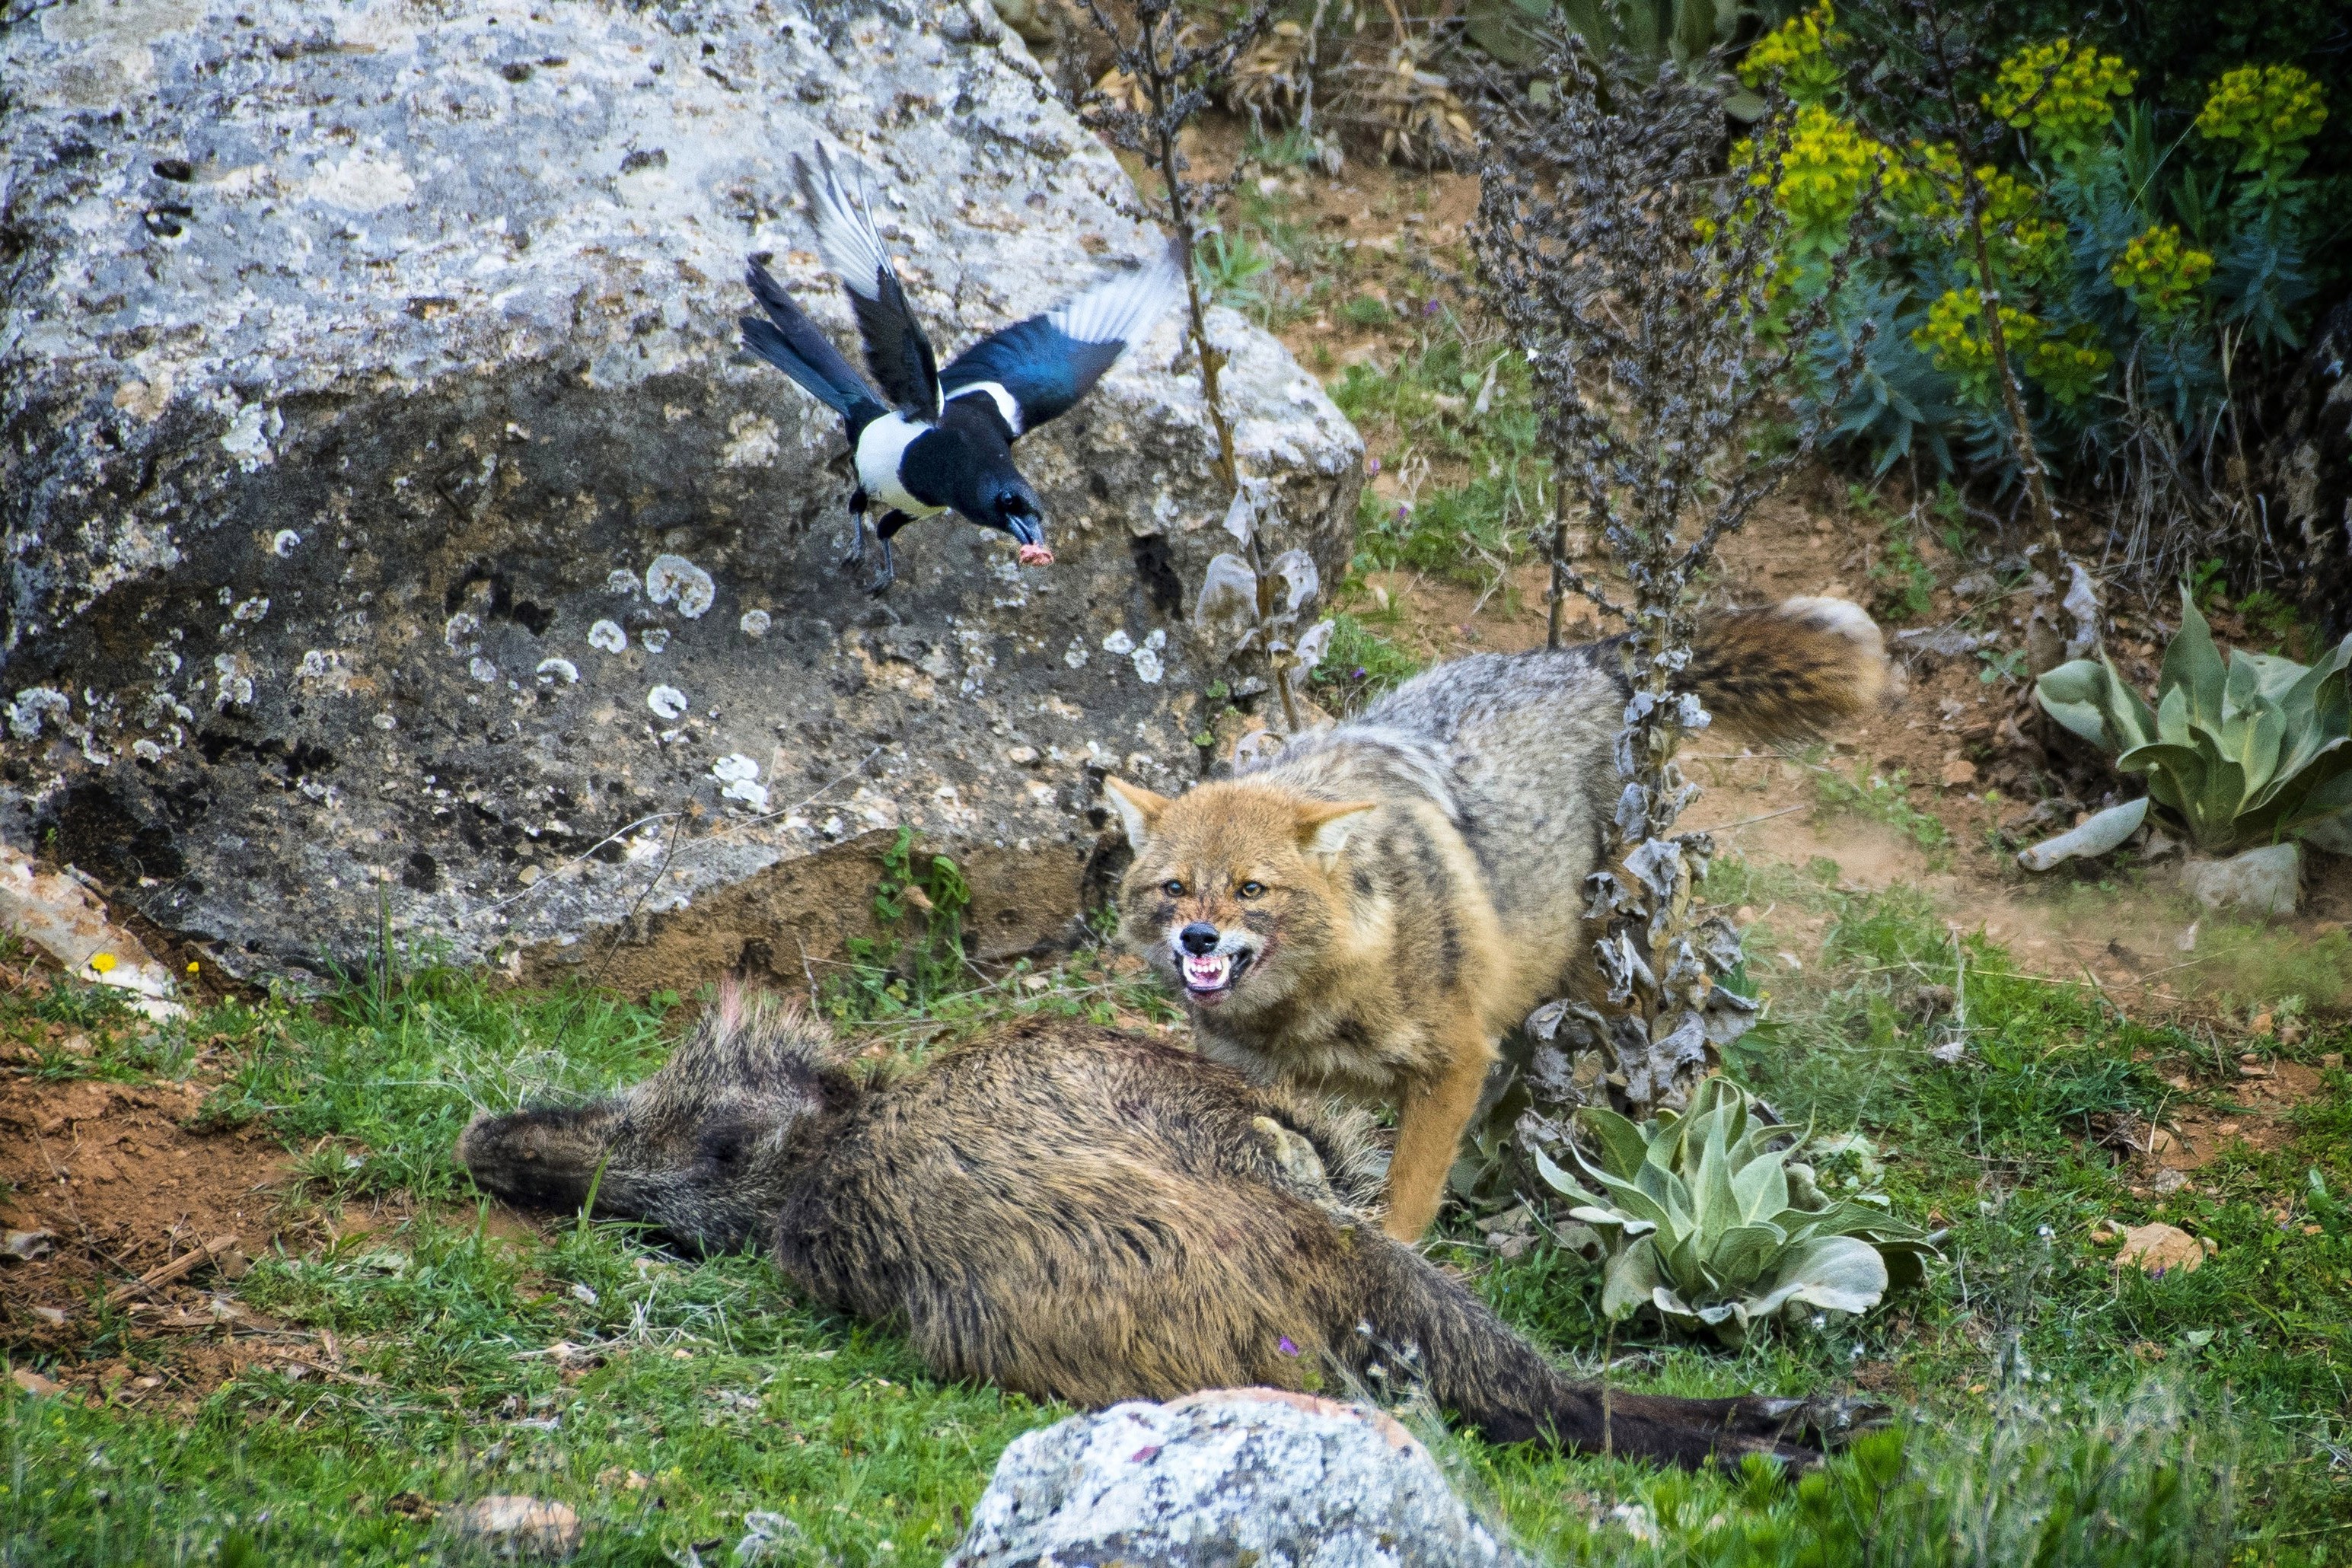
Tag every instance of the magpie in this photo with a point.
(933, 440)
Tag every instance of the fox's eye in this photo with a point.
(1172, 888)
(1253, 889)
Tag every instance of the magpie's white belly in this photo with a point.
(879, 447)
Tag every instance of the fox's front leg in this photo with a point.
(1430, 1120)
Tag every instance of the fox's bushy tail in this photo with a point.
(1791, 670)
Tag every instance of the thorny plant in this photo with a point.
(1166, 72)
(1642, 290)
(1920, 80)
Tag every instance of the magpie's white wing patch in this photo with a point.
(1123, 308)
(844, 230)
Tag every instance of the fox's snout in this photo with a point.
(1211, 960)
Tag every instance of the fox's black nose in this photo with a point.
(1198, 937)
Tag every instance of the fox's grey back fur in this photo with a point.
(1517, 750)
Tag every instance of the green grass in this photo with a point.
(1884, 799)
(1359, 666)
(2052, 1404)
(1428, 409)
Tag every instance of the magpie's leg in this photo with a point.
(892, 522)
(856, 555)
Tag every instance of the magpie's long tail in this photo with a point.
(791, 342)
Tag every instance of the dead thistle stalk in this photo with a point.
(1166, 73)
(1646, 292)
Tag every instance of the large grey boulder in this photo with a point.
(1230, 1477)
(390, 514)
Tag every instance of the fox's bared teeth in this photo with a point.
(1207, 971)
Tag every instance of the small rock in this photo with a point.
(34, 1384)
(1229, 1475)
(1958, 774)
(2158, 1248)
(56, 1317)
(2260, 881)
(523, 1524)
(1938, 643)
(27, 1245)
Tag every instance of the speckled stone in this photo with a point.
(1236, 1475)
(390, 513)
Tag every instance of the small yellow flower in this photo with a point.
(2270, 110)
(2060, 94)
(2160, 274)
(1797, 53)
(103, 962)
(193, 966)
(1825, 172)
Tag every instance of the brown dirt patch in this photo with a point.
(125, 1186)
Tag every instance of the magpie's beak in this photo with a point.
(1027, 531)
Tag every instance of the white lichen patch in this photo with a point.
(361, 183)
(35, 703)
(482, 669)
(285, 542)
(655, 638)
(755, 623)
(1119, 643)
(666, 701)
(250, 430)
(1148, 668)
(751, 442)
(622, 581)
(552, 670)
(457, 634)
(234, 680)
(252, 609)
(1075, 655)
(608, 635)
(739, 777)
(674, 577)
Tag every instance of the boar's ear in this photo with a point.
(1138, 808)
(1324, 825)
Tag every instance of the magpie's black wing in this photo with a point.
(896, 350)
(1044, 364)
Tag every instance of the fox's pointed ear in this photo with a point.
(1138, 808)
(1324, 827)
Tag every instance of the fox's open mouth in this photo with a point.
(1208, 975)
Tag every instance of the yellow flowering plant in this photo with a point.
(2071, 366)
(1796, 55)
(2060, 96)
(2161, 273)
(2269, 111)
(1953, 338)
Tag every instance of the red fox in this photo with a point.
(1370, 910)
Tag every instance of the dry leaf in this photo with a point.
(525, 1524)
(2158, 1248)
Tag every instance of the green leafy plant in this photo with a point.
(1642, 34)
(2058, 292)
(2250, 753)
(1707, 1224)
(899, 972)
